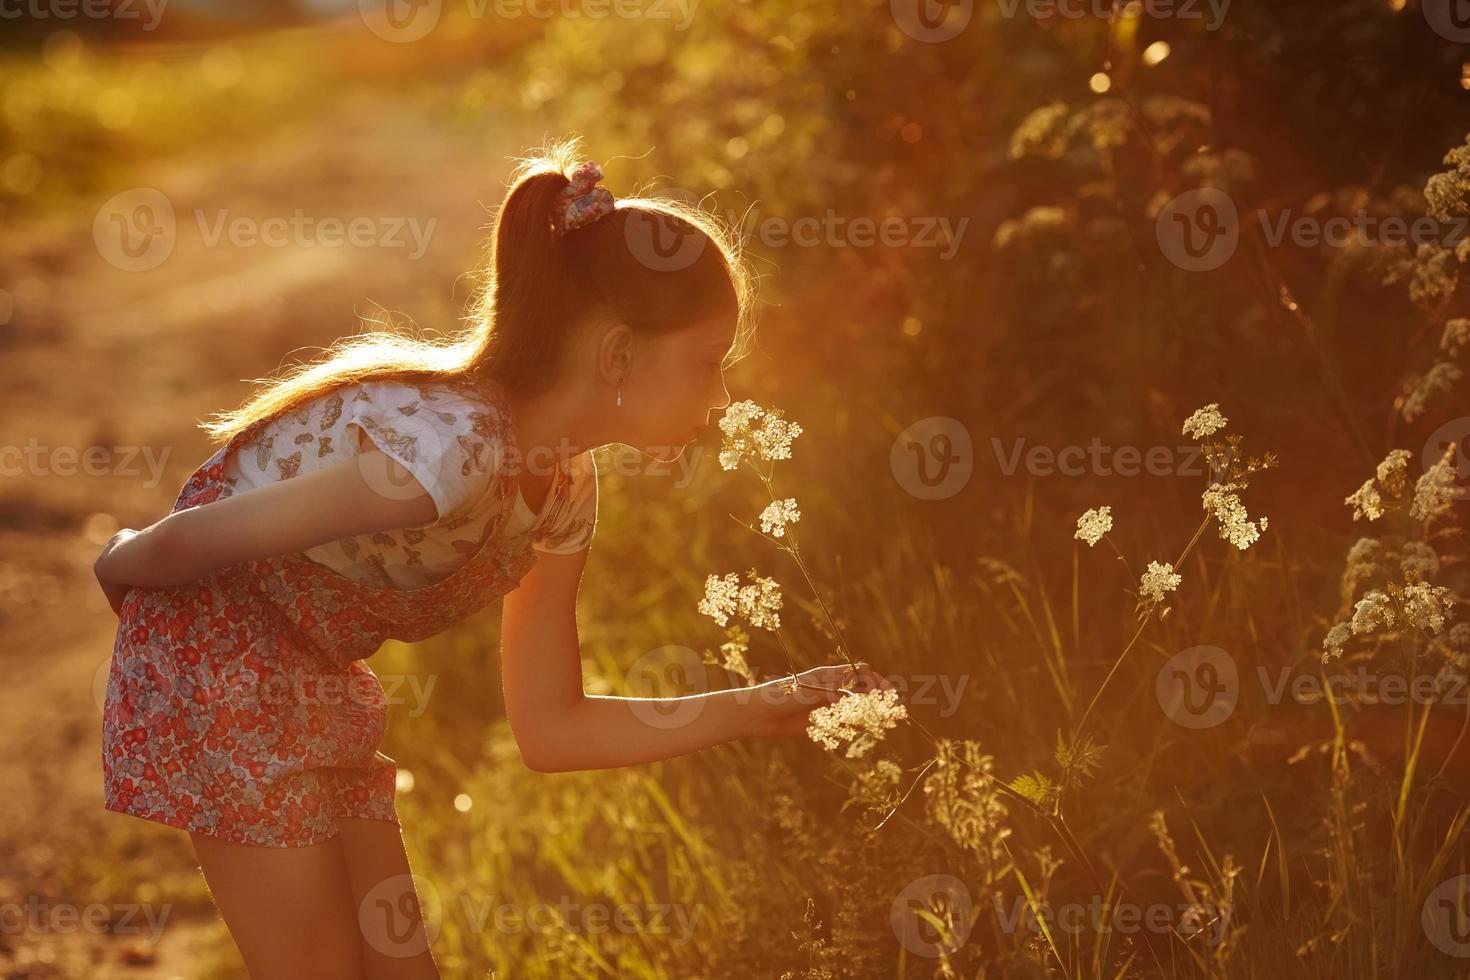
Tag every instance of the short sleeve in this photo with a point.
(571, 528)
(431, 431)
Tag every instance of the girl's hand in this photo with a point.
(783, 711)
(116, 592)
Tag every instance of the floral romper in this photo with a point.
(241, 705)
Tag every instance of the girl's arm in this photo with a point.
(338, 501)
(559, 728)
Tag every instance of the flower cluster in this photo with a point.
(1223, 501)
(756, 602)
(1158, 580)
(1205, 422)
(1433, 492)
(860, 719)
(756, 434)
(1092, 525)
(777, 515)
(1413, 605)
(1229, 477)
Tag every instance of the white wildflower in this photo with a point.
(1426, 606)
(857, 718)
(1092, 525)
(1373, 611)
(1158, 580)
(756, 603)
(1436, 488)
(777, 515)
(755, 433)
(1205, 422)
(1439, 380)
(1393, 472)
(1456, 337)
(1366, 502)
(1222, 500)
(1336, 639)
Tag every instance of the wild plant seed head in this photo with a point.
(1205, 422)
(1436, 488)
(859, 719)
(1092, 525)
(777, 515)
(755, 433)
(1159, 580)
(1366, 501)
(756, 603)
(1224, 502)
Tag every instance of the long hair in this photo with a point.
(534, 288)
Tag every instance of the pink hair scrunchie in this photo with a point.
(584, 201)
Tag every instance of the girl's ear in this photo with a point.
(615, 351)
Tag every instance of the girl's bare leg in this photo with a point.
(393, 937)
(290, 910)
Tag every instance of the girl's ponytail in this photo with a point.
(528, 271)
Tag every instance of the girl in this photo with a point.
(390, 490)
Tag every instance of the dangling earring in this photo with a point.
(620, 392)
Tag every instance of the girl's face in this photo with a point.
(673, 385)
